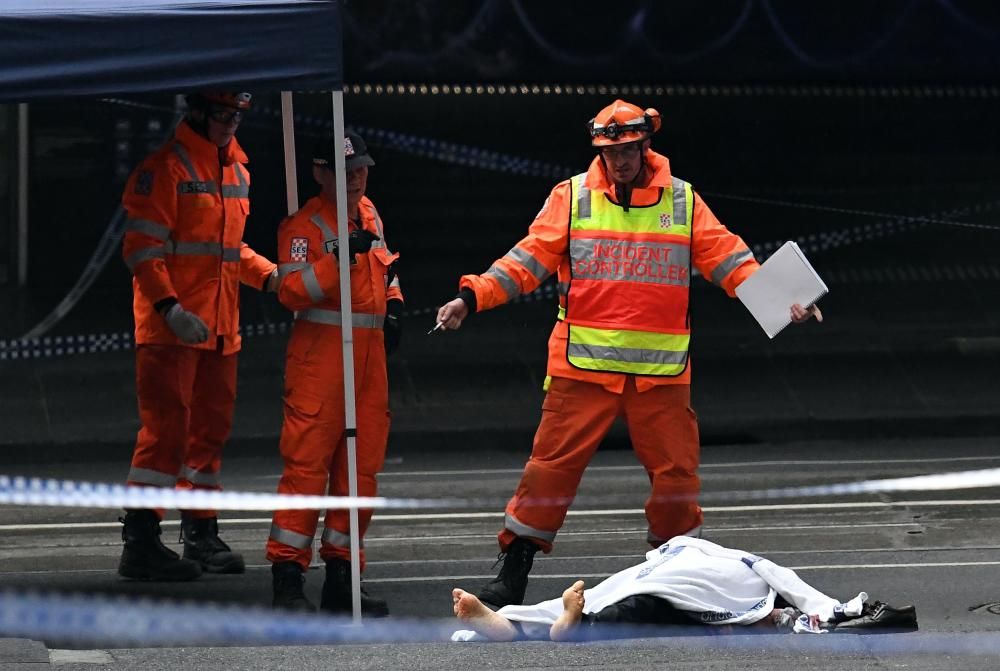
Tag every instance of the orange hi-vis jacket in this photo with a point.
(187, 206)
(718, 254)
(310, 279)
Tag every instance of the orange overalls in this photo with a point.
(187, 206)
(580, 405)
(313, 442)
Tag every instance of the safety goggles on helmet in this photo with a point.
(622, 122)
(225, 115)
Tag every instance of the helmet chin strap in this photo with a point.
(623, 191)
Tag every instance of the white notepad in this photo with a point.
(785, 278)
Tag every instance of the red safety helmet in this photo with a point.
(239, 101)
(621, 123)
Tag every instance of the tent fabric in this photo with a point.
(62, 48)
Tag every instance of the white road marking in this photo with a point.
(410, 517)
(704, 466)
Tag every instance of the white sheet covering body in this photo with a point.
(713, 584)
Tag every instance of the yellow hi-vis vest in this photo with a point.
(627, 303)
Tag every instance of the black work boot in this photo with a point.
(337, 592)
(145, 557)
(509, 585)
(203, 545)
(287, 579)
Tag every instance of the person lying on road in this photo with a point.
(684, 581)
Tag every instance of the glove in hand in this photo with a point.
(186, 325)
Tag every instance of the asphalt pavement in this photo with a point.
(935, 549)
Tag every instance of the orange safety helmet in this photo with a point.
(621, 123)
(239, 101)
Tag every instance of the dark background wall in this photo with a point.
(866, 131)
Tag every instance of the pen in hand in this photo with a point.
(436, 327)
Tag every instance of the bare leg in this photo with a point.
(473, 612)
(562, 628)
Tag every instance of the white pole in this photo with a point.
(288, 131)
(347, 335)
(22, 194)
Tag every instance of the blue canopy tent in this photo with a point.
(66, 48)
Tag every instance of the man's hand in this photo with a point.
(360, 241)
(452, 313)
(186, 325)
(801, 314)
(393, 327)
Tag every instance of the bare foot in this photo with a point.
(562, 628)
(473, 612)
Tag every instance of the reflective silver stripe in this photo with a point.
(563, 288)
(513, 524)
(582, 200)
(186, 160)
(327, 233)
(311, 283)
(196, 187)
(533, 265)
(360, 320)
(150, 228)
(288, 537)
(625, 354)
(729, 264)
(197, 477)
(231, 254)
(138, 256)
(506, 281)
(649, 262)
(234, 191)
(145, 476)
(334, 537)
(395, 282)
(679, 187)
(193, 248)
(288, 268)
(241, 190)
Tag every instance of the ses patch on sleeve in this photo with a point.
(300, 249)
(144, 183)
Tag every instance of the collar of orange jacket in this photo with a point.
(329, 205)
(656, 164)
(204, 149)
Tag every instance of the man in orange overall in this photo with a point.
(313, 441)
(187, 205)
(623, 238)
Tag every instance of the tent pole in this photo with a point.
(288, 132)
(347, 336)
(22, 194)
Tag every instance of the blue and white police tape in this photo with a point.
(124, 622)
(68, 493)
(88, 621)
(987, 477)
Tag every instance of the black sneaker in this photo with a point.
(337, 592)
(510, 584)
(878, 615)
(203, 545)
(287, 579)
(145, 557)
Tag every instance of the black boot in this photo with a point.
(145, 557)
(203, 545)
(287, 579)
(509, 586)
(337, 592)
